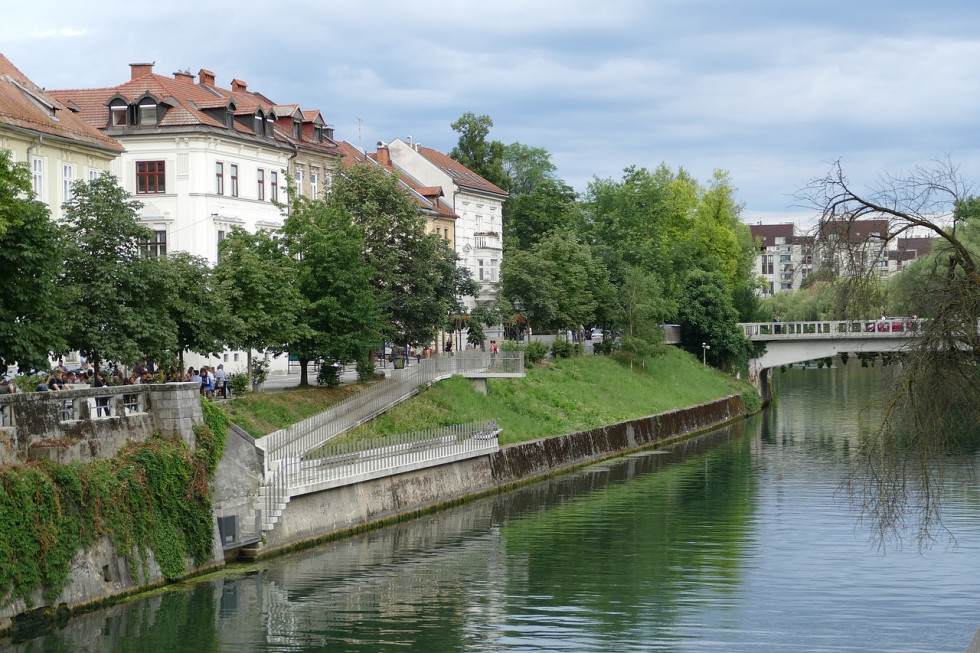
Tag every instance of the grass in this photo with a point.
(560, 396)
(261, 413)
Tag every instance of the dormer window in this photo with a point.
(317, 135)
(297, 129)
(269, 125)
(147, 112)
(259, 127)
(118, 115)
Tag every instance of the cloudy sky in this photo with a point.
(773, 91)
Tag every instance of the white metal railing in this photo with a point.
(338, 464)
(882, 327)
(295, 441)
(487, 242)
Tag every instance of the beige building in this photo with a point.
(58, 147)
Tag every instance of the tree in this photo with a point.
(485, 158)
(257, 279)
(527, 168)
(32, 307)
(116, 309)
(932, 408)
(199, 315)
(642, 311)
(414, 272)
(557, 282)
(341, 310)
(708, 316)
(531, 216)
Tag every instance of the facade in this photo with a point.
(854, 247)
(785, 258)
(477, 203)
(200, 164)
(58, 147)
(906, 251)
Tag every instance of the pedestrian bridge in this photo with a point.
(795, 342)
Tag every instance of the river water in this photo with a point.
(736, 541)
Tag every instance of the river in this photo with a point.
(735, 541)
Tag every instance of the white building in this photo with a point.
(477, 203)
(785, 258)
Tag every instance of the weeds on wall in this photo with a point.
(153, 496)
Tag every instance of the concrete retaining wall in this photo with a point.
(311, 517)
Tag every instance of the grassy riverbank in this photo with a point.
(262, 413)
(562, 396)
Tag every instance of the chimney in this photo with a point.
(206, 77)
(138, 70)
(184, 76)
(382, 156)
(238, 85)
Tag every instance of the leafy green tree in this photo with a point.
(485, 158)
(529, 217)
(116, 310)
(414, 272)
(557, 282)
(257, 279)
(642, 310)
(341, 309)
(527, 168)
(32, 306)
(199, 315)
(707, 316)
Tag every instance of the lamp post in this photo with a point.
(517, 326)
(704, 353)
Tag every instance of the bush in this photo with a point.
(365, 369)
(329, 375)
(238, 384)
(605, 346)
(534, 352)
(260, 370)
(565, 349)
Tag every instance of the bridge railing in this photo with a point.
(892, 326)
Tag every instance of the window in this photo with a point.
(150, 177)
(37, 179)
(260, 179)
(221, 237)
(299, 182)
(317, 135)
(493, 269)
(117, 115)
(258, 126)
(274, 186)
(148, 113)
(297, 129)
(479, 268)
(67, 179)
(156, 245)
(313, 185)
(93, 174)
(234, 180)
(219, 178)
(268, 126)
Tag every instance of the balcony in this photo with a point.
(487, 240)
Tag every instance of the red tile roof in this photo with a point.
(26, 106)
(459, 173)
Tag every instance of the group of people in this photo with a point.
(210, 379)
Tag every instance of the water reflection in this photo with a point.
(734, 541)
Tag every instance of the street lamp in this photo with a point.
(704, 353)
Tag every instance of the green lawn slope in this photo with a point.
(563, 396)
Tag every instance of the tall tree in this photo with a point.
(32, 308)
(199, 315)
(526, 168)
(413, 271)
(341, 309)
(257, 279)
(473, 150)
(708, 317)
(933, 406)
(117, 313)
(642, 310)
(531, 216)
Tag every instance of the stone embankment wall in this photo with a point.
(66, 426)
(312, 517)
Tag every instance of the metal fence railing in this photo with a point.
(342, 463)
(297, 440)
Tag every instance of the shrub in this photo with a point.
(329, 375)
(238, 384)
(365, 369)
(534, 352)
(562, 349)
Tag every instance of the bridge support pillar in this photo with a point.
(480, 384)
